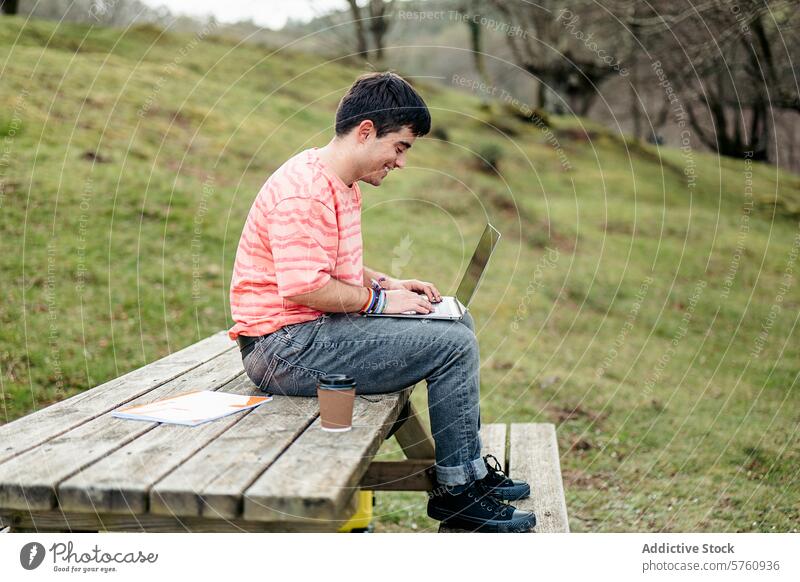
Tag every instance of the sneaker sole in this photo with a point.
(459, 521)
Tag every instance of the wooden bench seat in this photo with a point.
(530, 453)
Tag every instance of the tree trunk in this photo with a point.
(361, 36)
(633, 62)
(539, 98)
(476, 41)
(379, 25)
(635, 112)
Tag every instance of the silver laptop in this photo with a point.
(455, 307)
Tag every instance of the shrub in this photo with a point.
(439, 132)
(487, 158)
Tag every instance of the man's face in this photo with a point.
(384, 154)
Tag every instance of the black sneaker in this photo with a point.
(476, 509)
(501, 485)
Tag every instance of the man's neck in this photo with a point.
(334, 157)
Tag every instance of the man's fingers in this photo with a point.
(430, 291)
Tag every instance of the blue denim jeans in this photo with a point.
(382, 355)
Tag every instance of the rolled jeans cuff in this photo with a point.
(461, 474)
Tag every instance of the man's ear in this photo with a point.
(364, 130)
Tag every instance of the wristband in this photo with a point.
(381, 302)
(370, 299)
(374, 303)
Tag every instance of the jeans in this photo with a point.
(383, 355)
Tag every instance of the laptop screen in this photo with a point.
(477, 265)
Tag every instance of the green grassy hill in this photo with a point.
(651, 317)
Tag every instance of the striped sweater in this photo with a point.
(303, 228)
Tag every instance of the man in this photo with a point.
(299, 290)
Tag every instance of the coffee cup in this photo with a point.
(336, 393)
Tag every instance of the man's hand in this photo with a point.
(405, 301)
(422, 287)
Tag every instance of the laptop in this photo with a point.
(455, 307)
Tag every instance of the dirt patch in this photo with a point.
(9, 187)
(577, 479)
(617, 227)
(502, 365)
(565, 413)
(502, 126)
(578, 134)
(502, 202)
(95, 157)
(542, 234)
(581, 445)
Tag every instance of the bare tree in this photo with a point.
(361, 36)
(632, 59)
(555, 44)
(471, 9)
(732, 65)
(378, 22)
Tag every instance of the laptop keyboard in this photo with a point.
(446, 307)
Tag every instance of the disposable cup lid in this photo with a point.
(336, 382)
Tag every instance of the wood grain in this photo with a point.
(212, 482)
(30, 431)
(534, 458)
(57, 521)
(321, 471)
(30, 480)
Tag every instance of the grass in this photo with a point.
(652, 321)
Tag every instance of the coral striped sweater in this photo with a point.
(303, 228)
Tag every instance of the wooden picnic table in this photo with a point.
(73, 467)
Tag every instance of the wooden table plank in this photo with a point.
(211, 483)
(407, 475)
(534, 458)
(25, 433)
(320, 472)
(29, 481)
(121, 481)
(58, 521)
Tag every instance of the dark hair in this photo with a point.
(388, 101)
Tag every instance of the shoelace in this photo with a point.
(497, 468)
(483, 496)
